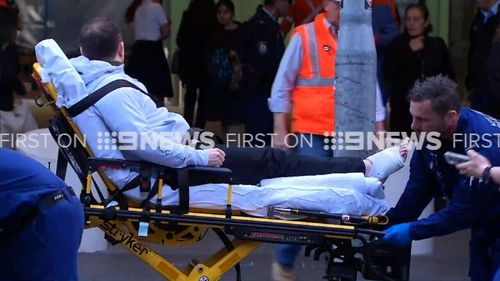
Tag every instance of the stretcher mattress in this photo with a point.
(350, 193)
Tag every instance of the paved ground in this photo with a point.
(448, 263)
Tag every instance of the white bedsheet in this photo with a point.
(333, 193)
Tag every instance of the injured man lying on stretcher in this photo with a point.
(262, 177)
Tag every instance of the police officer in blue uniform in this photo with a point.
(473, 203)
(41, 222)
(263, 47)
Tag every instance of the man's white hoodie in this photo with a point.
(124, 117)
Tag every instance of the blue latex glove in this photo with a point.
(398, 235)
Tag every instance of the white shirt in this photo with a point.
(148, 20)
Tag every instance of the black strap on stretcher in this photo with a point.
(143, 179)
(97, 95)
(183, 186)
(62, 164)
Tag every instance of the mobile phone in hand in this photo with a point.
(453, 158)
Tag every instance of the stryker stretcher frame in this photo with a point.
(181, 226)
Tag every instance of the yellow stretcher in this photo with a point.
(133, 226)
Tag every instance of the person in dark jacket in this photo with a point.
(9, 59)
(483, 78)
(263, 49)
(480, 167)
(224, 53)
(384, 30)
(436, 107)
(41, 222)
(413, 55)
(197, 23)
(493, 74)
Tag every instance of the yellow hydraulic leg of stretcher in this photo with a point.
(223, 261)
(125, 233)
(220, 263)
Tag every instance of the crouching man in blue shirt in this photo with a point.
(41, 222)
(473, 202)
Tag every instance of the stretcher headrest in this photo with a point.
(58, 70)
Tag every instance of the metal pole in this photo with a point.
(355, 80)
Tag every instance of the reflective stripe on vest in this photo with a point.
(313, 95)
(316, 80)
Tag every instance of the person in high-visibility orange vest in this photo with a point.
(304, 86)
(304, 82)
(301, 12)
(304, 11)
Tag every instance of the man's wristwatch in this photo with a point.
(486, 176)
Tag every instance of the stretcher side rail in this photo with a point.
(132, 226)
(84, 165)
(180, 179)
